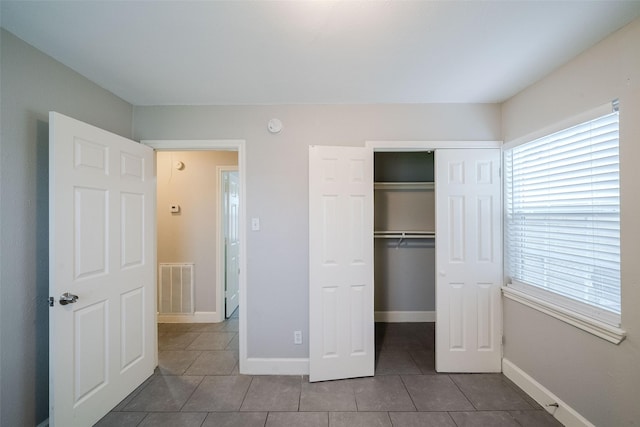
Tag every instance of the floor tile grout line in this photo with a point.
(409, 393)
(142, 419)
(192, 392)
(389, 418)
(453, 419)
(244, 397)
(192, 362)
(520, 392)
(463, 393)
(300, 394)
(415, 363)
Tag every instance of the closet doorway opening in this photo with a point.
(404, 261)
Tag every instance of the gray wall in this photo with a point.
(277, 186)
(32, 84)
(596, 378)
(190, 236)
(405, 275)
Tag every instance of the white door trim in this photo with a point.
(238, 145)
(428, 145)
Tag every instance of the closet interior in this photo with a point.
(404, 236)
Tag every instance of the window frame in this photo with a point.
(592, 319)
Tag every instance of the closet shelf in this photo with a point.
(403, 185)
(404, 234)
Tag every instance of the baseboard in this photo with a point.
(197, 317)
(45, 423)
(275, 366)
(568, 416)
(405, 316)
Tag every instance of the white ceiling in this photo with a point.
(314, 52)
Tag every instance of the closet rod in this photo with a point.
(404, 234)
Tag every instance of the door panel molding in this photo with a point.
(468, 260)
(341, 318)
(102, 276)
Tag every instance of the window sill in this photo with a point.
(602, 330)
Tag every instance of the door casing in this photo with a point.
(238, 145)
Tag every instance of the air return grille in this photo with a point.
(175, 289)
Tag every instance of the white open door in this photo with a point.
(341, 323)
(232, 240)
(468, 261)
(102, 251)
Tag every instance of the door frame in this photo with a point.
(238, 145)
(221, 265)
(411, 146)
(407, 146)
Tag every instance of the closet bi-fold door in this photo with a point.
(468, 260)
(341, 323)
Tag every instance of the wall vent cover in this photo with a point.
(175, 290)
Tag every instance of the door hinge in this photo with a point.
(51, 301)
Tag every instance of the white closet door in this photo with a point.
(468, 261)
(341, 324)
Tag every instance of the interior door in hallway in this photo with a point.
(231, 196)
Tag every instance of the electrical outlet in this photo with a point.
(297, 337)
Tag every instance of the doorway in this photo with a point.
(191, 234)
(404, 262)
(237, 147)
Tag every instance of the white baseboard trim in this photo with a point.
(275, 366)
(568, 416)
(405, 316)
(45, 423)
(197, 317)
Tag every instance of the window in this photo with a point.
(562, 219)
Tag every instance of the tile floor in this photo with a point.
(197, 384)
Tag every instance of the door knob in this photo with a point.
(68, 298)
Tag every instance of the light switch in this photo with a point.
(255, 224)
(175, 208)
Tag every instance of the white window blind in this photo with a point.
(562, 222)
